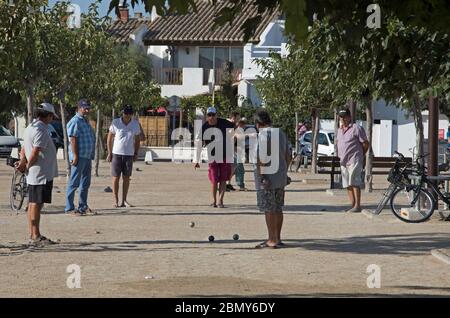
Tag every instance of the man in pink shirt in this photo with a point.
(352, 145)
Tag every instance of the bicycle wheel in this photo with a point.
(412, 205)
(17, 193)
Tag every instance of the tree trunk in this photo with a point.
(337, 177)
(315, 139)
(353, 110)
(418, 123)
(30, 103)
(336, 127)
(97, 142)
(369, 154)
(61, 97)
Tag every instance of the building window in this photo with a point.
(206, 57)
(216, 57)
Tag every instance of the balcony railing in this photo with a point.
(168, 76)
(220, 76)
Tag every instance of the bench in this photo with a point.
(330, 165)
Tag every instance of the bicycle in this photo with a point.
(433, 183)
(19, 187)
(403, 196)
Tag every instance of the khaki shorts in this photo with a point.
(351, 175)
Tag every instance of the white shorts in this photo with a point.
(351, 175)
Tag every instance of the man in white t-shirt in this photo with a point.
(123, 147)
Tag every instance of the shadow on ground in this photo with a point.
(408, 245)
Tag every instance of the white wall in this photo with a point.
(192, 84)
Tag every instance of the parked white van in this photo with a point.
(326, 143)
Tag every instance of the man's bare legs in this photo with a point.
(115, 188)
(351, 196)
(222, 189)
(34, 218)
(357, 196)
(274, 222)
(214, 193)
(354, 194)
(125, 187)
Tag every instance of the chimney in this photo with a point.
(154, 15)
(124, 14)
(138, 15)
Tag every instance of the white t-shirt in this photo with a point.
(124, 136)
(45, 168)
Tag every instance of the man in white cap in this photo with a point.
(38, 160)
(219, 161)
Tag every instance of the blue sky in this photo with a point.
(104, 6)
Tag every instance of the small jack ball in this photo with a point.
(235, 237)
(192, 224)
(211, 238)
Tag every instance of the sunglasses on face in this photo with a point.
(211, 115)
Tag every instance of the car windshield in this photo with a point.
(4, 131)
(331, 135)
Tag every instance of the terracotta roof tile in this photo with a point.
(197, 28)
(121, 31)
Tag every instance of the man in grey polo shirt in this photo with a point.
(38, 160)
(352, 144)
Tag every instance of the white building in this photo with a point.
(189, 56)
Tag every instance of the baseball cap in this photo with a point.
(127, 109)
(344, 112)
(211, 110)
(84, 103)
(48, 108)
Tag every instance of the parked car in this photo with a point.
(7, 142)
(56, 137)
(326, 143)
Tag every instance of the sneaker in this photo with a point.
(230, 188)
(41, 241)
(88, 211)
(74, 213)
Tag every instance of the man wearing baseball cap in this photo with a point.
(81, 153)
(219, 166)
(38, 160)
(352, 144)
(123, 148)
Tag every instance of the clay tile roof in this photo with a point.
(121, 31)
(197, 28)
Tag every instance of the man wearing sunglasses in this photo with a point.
(219, 167)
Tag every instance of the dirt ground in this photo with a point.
(151, 251)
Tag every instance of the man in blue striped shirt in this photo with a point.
(81, 154)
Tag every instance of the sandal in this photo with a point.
(126, 204)
(213, 205)
(41, 241)
(265, 245)
(221, 206)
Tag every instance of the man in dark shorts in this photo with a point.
(123, 147)
(219, 170)
(38, 159)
